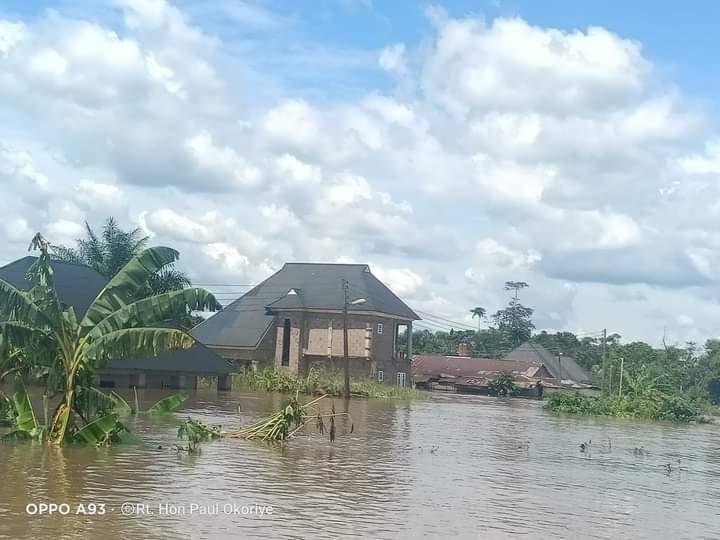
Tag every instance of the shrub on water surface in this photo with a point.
(653, 405)
(503, 385)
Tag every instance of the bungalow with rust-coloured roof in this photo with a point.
(294, 321)
(473, 375)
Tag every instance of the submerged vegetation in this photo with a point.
(43, 341)
(503, 386)
(315, 383)
(652, 405)
(292, 417)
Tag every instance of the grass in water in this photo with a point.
(315, 383)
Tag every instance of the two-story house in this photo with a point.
(294, 320)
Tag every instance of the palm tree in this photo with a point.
(515, 286)
(480, 313)
(112, 250)
(120, 323)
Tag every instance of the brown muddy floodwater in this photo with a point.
(502, 469)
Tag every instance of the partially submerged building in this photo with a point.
(467, 374)
(294, 321)
(77, 285)
(527, 365)
(561, 367)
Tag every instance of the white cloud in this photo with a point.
(392, 58)
(402, 281)
(90, 194)
(222, 161)
(232, 261)
(292, 124)
(505, 151)
(11, 34)
(18, 230)
(64, 231)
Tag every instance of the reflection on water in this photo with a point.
(464, 467)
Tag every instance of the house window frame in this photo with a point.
(401, 376)
(380, 376)
(379, 328)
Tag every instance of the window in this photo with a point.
(381, 375)
(401, 378)
(380, 328)
(286, 344)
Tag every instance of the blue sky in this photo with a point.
(682, 39)
(451, 145)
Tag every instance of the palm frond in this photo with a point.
(167, 279)
(66, 255)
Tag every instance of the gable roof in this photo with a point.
(564, 369)
(298, 286)
(198, 360)
(77, 285)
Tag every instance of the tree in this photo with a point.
(120, 323)
(478, 312)
(112, 250)
(503, 385)
(515, 286)
(514, 323)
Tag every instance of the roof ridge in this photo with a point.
(364, 265)
(52, 261)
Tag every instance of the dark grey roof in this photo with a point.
(197, 360)
(77, 285)
(566, 368)
(315, 287)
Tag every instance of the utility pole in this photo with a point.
(346, 303)
(622, 365)
(559, 359)
(604, 362)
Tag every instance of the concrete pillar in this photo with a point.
(139, 380)
(409, 340)
(224, 382)
(254, 366)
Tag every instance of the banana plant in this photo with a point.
(118, 324)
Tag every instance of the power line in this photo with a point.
(431, 316)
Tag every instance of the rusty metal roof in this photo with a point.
(426, 366)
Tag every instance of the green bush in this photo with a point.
(503, 385)
(652, 405)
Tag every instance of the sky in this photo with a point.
(451, 146)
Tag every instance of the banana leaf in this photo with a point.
(92, 401)
(98, 431)
(24, 415)
(122, 288)
(124, 436)
(120, 406)
(168, 404)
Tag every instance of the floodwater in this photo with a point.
(454, 467)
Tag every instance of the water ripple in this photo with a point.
(461, 467)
